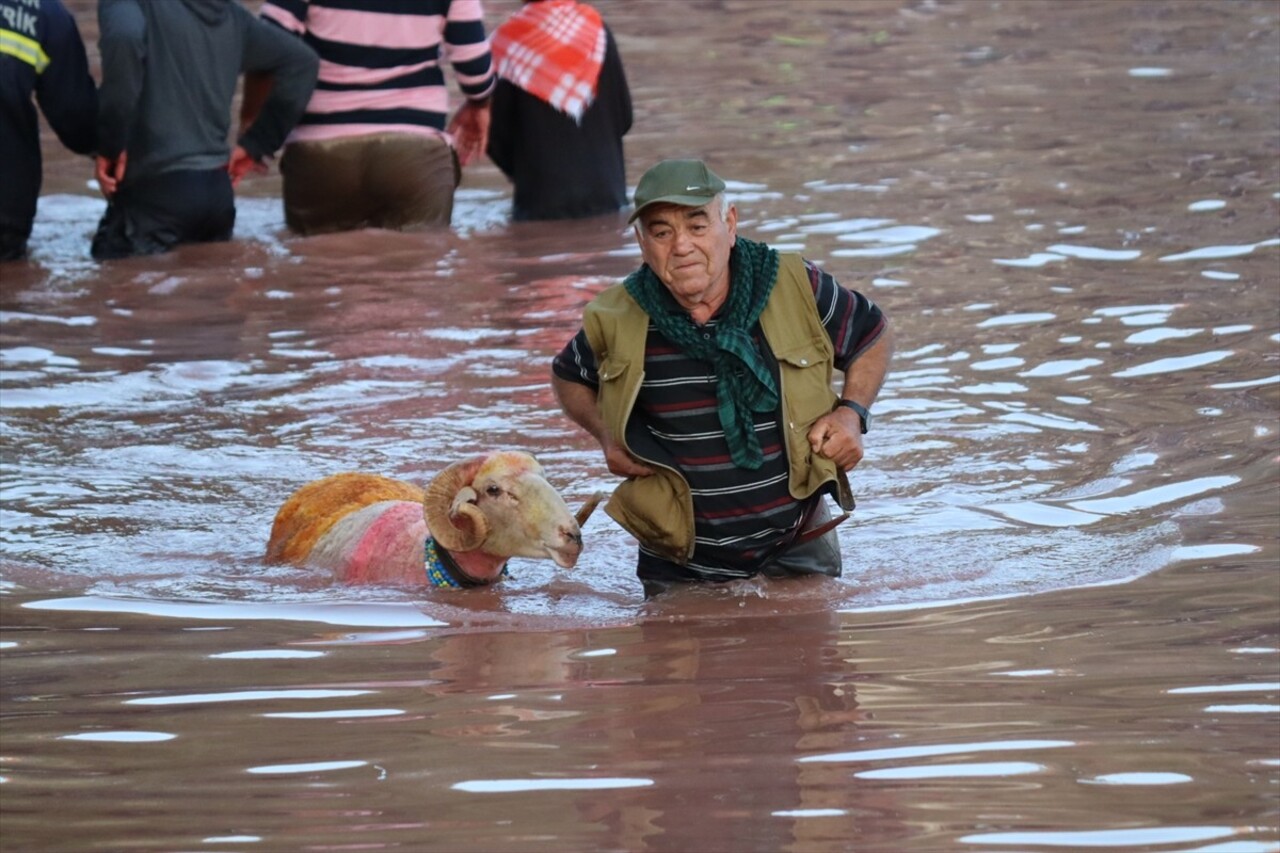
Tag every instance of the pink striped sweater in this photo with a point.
(381, 62)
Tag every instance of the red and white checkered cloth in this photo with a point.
(553, 49)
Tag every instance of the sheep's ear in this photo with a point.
(470, 527)
(465, 495)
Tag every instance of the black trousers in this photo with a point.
(817, 556)
(13, 242)
(156, 213)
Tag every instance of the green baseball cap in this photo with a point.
(688, 183)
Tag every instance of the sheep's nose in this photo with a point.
(571, 534)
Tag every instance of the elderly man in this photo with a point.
(706, 378)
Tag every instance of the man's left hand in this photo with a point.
(242, 164)
(837, 436)
(110, 172)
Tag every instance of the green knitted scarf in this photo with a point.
(743, 381)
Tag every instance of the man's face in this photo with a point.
(688, 249)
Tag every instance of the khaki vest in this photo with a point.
(658, 510)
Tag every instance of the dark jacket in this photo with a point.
(169, 72)
(43, 56)
(561, 170)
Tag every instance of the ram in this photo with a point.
(458, 532)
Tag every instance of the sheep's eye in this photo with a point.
(493, 491)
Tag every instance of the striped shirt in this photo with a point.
(738, 514)
(381, 62)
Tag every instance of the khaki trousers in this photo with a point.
(382, 180)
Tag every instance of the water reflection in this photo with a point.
(1108, 838)
(337, 714)
(510, 786)
(308, 767)
(999, 769)
(243, 696)
(338, 614)
(1139, 779)
(121, 737)
(1063, 559)
(847, 732)
(893, 753)
(383, 390)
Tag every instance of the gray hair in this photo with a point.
(723, 204)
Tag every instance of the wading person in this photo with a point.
(706, 377)
(169, 71)
(560, 110)
(373, 149)
(41, 54)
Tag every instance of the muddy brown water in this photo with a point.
(1058, 627)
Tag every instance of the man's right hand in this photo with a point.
(110, 172)
(470, 130)
(579, 403)
(623, 464)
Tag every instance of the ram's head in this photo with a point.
(502, 504)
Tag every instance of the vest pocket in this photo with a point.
(612, 368)
(656, 511)
(805, 371)
(612, 392)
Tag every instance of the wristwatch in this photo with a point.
(864, 414)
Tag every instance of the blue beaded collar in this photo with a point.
(443, 572)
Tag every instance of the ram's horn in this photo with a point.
(588, 508)
(453, 520)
